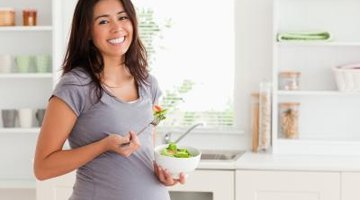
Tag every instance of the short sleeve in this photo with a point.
(155, 90)
(72, 92)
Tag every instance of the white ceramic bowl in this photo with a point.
(177, 165)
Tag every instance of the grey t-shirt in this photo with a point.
(111, 176)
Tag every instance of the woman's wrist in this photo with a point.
(104, 144)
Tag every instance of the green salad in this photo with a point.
(173, 151)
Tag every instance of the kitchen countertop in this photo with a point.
(268, 161)
(217, 165)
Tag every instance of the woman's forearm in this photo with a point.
(64, 161)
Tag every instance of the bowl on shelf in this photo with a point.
(176, 165)
(347, 78)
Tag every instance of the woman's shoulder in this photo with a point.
(153, 88)
(76, 76)
(151, 80)
(152, 83)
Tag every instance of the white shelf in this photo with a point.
(16, 184)
(317, 93)
(20, 130)
(26, 28)
(28, 90)
(318, 44)
(327, 117)
(26, 75)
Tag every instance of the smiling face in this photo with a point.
(111, 30)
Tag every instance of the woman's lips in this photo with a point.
(116, 41)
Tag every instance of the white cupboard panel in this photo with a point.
(59, 188)
(283, 185)
(350, 186)
(219, 183)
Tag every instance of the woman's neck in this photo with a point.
(115, 75)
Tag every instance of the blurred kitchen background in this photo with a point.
(274, 83)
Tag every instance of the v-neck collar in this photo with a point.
(139, 99)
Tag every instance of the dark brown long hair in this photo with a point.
(82, 53)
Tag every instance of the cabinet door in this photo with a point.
(350, 186)
(59, 188)
(284, 185)
(220, 184)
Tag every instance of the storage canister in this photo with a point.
(289, 120)
(289, 80)
(29, 17)
(255, 108)
(264, 116)
(7, 17)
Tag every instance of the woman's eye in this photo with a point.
(103, 22)
(123, 18)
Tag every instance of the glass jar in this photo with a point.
(265, 116)
(289, 80)
(7, 17)
(29, 17)
(255, 105)
(289, 120)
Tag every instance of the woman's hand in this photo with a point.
(165, 177)
(114, 141)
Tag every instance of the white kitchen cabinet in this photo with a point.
(200, 185)
(285, 185)
(27, 89)
(350, 182)
(206, 185)
(59, 188)
(328, 119)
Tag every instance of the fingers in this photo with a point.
(117, 141)
(134, 140)
(165, 177)
(182, 178)
(161, 176)
(156, 169)
(133, 137)
(125, 141)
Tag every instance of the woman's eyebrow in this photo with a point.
(106, 15)
(121, 12)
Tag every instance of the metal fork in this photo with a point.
(154, 122)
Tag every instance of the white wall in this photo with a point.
(253, 57)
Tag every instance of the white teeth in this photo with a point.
(117, 40)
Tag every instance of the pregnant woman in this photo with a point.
(105, 94)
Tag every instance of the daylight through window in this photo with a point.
(191, 47)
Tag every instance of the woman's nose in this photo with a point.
(116, 27)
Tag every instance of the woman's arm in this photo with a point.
(51, 160)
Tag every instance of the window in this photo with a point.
(191, 46)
